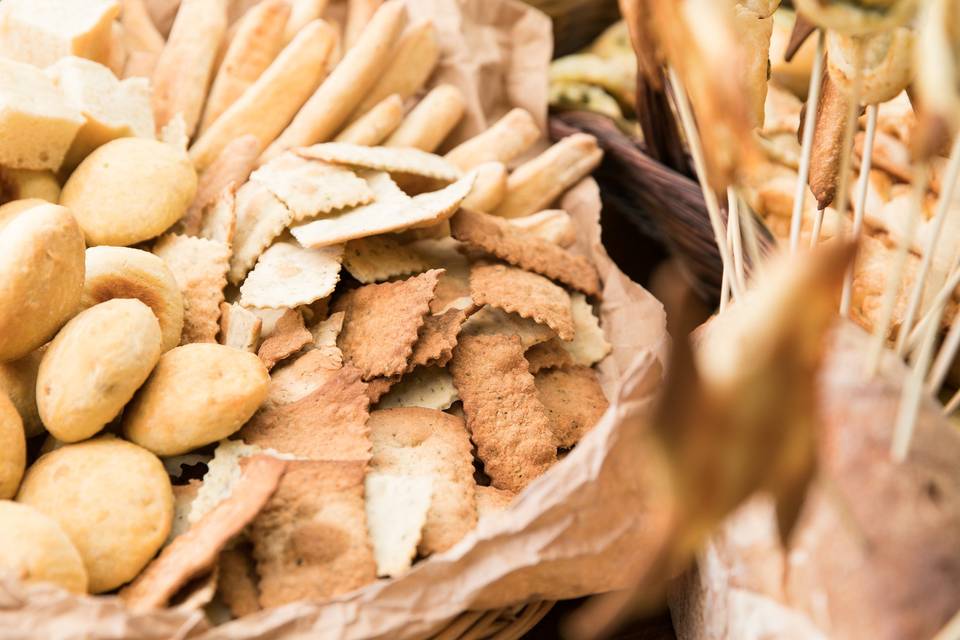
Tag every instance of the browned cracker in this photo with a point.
(498, 237)
(239, 328)
(493, 321)
(382, 321)
(437, 338)
(310, 540)
(390, 159)
(417, 441)
(445, 254)
(195, 552)
(378, 387)
(547, 355)
(238, 583)
(289, 337)
(493, 500)
(379, 258)
(507, 421)
(200, 268)
(325, 335)
(311, 188)
(527, 294)
(574, 401)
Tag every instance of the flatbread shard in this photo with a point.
(527, 294)
(239, 327)
(382, 322)
(380, 258)
(425, 442)
(390, 159)
(507, 421)
(183, 497)
(427, 387)
(289, 337)
(309, 188)
(493, 500)
(492, 321)
(589, 346)
(237, 585)
(397, 508)
(378, 387)
(219, 219)
(288, 275)
(325, 335)
(392, 210)
(547, 355)
(200, 268)
(195, 552)
(310, 540)
(574, 401)
(261, 217)
(437, 338)
(498, 237)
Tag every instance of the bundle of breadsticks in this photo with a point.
(269, 329)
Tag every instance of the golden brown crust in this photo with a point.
(827, 142)
(527, 294)
(287, 338)
(437, 338)
(574, 402)
(547, 355)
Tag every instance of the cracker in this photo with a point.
(437, 338)
(312, 188)
(328, 423)
(238, 584)
(261, 217)
(552, 225)
(325, 335)
(232, 166)
(310, 541)
(396, 512)
(239, 328)
(392, 210)
(299, 379)
(427, 387)
(405, 160)
(378, 387)
(547, 355)
(200, 268)
(493, 321)
(289, 337)
(445, 254)
(223, 472)
(574, 401)
(423, 442)
(219, 220)
(287, 275)
(195, 552)
(496, 236)
(508, 423)
(589, 346)
(492, 500)
(527, 294)
(379, 258)
(183, 497)
(382, 322)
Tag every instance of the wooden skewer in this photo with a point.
(736, 241)
(947, 410)
(749, 226)
(860, 205)
(948, 351)
(911, 396)
(943, 295)
(951, 630)
(813, 97)
(815, 232)
(725, 287)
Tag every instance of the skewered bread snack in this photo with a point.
(858, 17)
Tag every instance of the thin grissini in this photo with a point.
(509, 137)
(376, 124)
(302, 13)
(267, 106)
(489, 188)
(431, 121)
(359, 14)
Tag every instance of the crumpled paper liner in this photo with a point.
(590, 524)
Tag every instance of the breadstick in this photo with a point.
(376, 124)
(117, 59)
(258, 40)
(489, 187)
(183, 71)
(139, 32)
(162, 13)
(359, 14)
(233, 165)
(140, 64)
(431, 121)
(827, 143)
(328, 108)
(267, 106)
(302, 12)
(535, 184)
(411, 63)
(510, 136)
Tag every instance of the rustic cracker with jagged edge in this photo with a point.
(404, 160)
(547, 355)
(232, 166)
(574, 401)
(310, 540)
(496, 236)
(311, 188)
(289, 336)
(287, 276)
(397, 508)
(237, 585)
(552, 225)
(443, 253)
(378, 387)
(416, 441)
(239, 328)
(195, 552)
(379, 258)
(427, 387)
(200, 268)
(493, 500)
(218, 220)
(261, 217)
(527, 294)
(382, 323)
(506, 419)
(325, 335)
(437, 338)
(492, 321)
(589, 346)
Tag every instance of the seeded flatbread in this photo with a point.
(310, 188)
(287, 275)
(527, 294)
(427, 387)
(380, 258)
(397, 508)
(547, 355)
(261, 217)
(574, 401)
(589, 346)
(390, 159)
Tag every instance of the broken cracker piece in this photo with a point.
(239, 328)
(238, 583)
(379, 258)
(261, 217)
(183, 497)
(437, 338)
(547, 355)
(574, 401)
(493, 321)
(287, 276)
(444, 253)
(589, 346)
(378, 387)
(396, 512)
(527, 294)
(427, 387)
(218, 221)
(405, 160)
(312, 188)
(232, 166)
(382, 323)
(507, 421)
(325, 335)
(289, 337)
(493, 500)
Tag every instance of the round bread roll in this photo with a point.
(95, 365)
(35, 549)
(197, 394)
(41, 274)
(13, 449)
(113, 500)
(887, 63)
(857, 17)
(121, 272)
(18, 379)
(20, 184)
(130, 190)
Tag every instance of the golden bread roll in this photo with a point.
(13, 449)
(35, 549)
(18, 379)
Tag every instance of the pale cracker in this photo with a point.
(325, 335)
(238, 584)
(239, 327)
(493, 500)
(574, 401)
(493, 321)
(437, 338)
(525, 293)
(547, 355)
(289, 337)
(392, 210)
(311, 188)
(424, 442)
(396, 512)
(589, 346)
(288, 275)
(200, 268)
(507, 421)
(261, 217)
(427, 387)
(268, 319)
(379, 258)
(183, 497)
(404, 160)
(219, 219)
(552, 225)
(310, 541)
